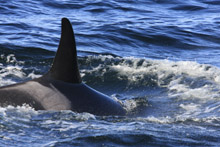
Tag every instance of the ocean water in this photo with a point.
(159, 58)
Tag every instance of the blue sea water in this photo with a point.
(159, 58)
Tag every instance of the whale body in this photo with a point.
(61, 88)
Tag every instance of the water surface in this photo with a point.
(160, 59)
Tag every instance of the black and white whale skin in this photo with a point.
(61, 88)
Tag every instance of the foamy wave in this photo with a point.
(13, 71)
(33, 76)
(180, 119)
(9, 74)
(25, 108)
(17, 114)
(185, 79)
(11, 59)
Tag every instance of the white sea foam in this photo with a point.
(33, 76)
(85, 116)
(10, 71)
(179, 119)
(16, 114)
(25, 108)
(13, 70)
(187, 79)
(191, 106)
(11, 59)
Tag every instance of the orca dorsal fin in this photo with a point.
(65, 64)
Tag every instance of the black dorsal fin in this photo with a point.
(65, 65)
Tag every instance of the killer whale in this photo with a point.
(61, 88)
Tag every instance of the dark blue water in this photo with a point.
(160, 59)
